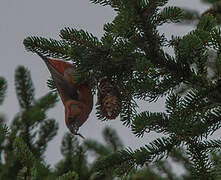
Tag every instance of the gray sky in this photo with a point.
(19, 19)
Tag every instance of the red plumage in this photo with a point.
(77, 98)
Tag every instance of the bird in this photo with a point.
(76, 97)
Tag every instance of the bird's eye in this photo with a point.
(75, 95)
(70, 119)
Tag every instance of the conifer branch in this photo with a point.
(47, 101)
(128, 110)
(123, 161)
(169, 14)
(97, 148)
(200, 160)
(147, 121)
(4, 132)
(112, 139)
(69, 175)
(48, 130)
(80, 37)
(51, 47)
(3, 87)
(24, 87)
(131, 53)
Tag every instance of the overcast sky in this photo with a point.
(22, 18)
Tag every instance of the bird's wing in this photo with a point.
(66, 90)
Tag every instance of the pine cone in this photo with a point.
(105, 86)
(211, 11)
(108, 99)
(110, 107)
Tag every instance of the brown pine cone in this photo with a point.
(110, 107)
(108, 99)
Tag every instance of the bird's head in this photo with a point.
(73, 111)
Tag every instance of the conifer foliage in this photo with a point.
(214, 10)
(23, 144)
(131, 54)
(3, 87)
